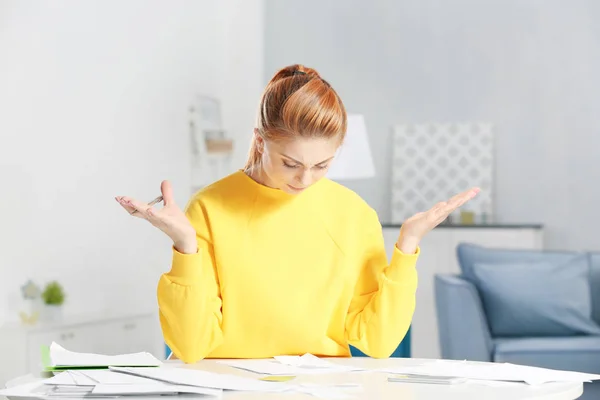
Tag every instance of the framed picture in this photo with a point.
(431, 162)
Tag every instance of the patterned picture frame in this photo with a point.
(433, 161)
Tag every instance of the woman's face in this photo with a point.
(295, 164)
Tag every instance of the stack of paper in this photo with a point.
(57, 358)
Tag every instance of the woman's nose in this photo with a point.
(305, 177)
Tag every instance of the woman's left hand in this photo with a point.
(417, 226)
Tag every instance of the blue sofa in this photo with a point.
(537, 308)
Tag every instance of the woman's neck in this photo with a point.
(257, 175)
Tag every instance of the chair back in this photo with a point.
(595, 285)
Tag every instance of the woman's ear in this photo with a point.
(260, 142)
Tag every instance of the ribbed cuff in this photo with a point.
(402, 266)
(186, 267)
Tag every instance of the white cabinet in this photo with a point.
(438, 256)
(130, 336)
(20, 346)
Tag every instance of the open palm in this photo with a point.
(170, 219)
(421, 223)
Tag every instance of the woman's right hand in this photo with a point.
(170, 219)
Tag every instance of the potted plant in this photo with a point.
(54, 297)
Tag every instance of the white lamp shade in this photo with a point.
(353, 159)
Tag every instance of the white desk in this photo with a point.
(375, 385)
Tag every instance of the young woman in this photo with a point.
(276, 259)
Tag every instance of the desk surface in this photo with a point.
(376, 386)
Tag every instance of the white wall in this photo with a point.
(529, 66)
(93, 105)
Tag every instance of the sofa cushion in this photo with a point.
(536, 298)
(595, 285)
(469, 254)
(576, 353)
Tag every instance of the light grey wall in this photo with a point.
(529, 67)
(94, 104)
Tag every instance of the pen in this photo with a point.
(153, 202)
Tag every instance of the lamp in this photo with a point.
(353, 159)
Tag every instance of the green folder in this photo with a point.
(48, 367)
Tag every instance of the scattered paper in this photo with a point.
(195, 377)
(492, 372)
(482, 382)
(23, 390)
(37, 389)
(156, 389)
(307, 360)
(433, 380)
(331, 392)
(165, 380)
(65, 391)
(290, 365)
(60, 357)
(205, 379)
(108, 377)
(93, 377)
(279, 373)
(269, 367)
(63, 378)
(70, 378)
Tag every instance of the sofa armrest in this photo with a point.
(462, 325)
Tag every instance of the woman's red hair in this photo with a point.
(297, 102)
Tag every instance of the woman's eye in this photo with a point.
(294, 166)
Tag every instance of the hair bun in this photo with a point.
(295, 70)
(305, 70)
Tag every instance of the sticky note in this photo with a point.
(277, 378)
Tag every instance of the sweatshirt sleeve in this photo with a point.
(189, 298)
(383, 303)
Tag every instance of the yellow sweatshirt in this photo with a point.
(282, 274)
